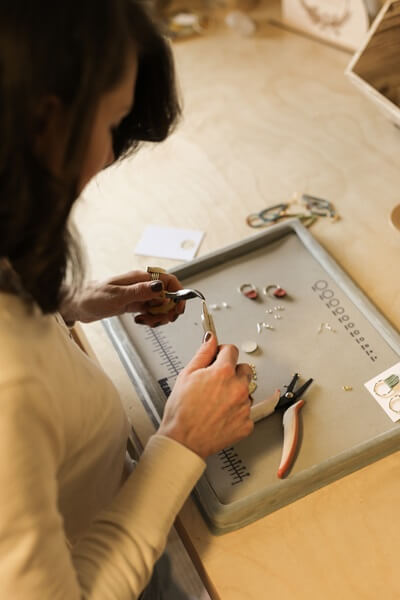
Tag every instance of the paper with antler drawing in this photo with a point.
(341, 22)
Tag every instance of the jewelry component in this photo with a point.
(155, 272)
(275, 290)
(249, 346)
(249, 290)
(394, 403)
(389, 382)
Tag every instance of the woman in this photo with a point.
(81, 84)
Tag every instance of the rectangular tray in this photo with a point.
(341, 431)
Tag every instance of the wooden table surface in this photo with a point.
(264, 117)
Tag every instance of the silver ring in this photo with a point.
(278, 292)
(251, 292)
(376, 389)
(393, 401)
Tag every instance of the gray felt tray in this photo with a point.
(341, 431)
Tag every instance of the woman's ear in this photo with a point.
(50, 133)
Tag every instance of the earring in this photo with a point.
(394, 403)
(390, 382)
(274, 290)
(249, 290)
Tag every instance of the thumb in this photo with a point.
(205, 355)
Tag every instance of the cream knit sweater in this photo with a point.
(69, 528)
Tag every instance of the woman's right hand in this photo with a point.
(209, 407)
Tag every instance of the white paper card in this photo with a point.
(169, 242)
(385, 388)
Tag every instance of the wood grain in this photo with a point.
(375, 67)
(265, 117)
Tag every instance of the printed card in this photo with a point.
(385, 388)
(169, 242)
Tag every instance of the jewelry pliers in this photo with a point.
(173, 298)
(185, 294)
(290, 403)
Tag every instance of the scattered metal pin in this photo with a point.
(269, 311)
(348, 388)
(277, 317)
(225, 305)
(326, 326)
(214, 307)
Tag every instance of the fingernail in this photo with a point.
(156, 286)
(139, 319)
(207, 337)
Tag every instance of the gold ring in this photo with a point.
(155, 272)
(252, 387)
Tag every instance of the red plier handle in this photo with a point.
(290, 436)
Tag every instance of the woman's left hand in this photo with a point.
(132, 292)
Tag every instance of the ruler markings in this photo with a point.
(230, 461)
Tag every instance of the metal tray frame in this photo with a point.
(217, 514)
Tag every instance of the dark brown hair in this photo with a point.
(77, 51)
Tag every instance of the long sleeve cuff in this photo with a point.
(125, 540)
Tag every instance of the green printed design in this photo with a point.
(392, 380)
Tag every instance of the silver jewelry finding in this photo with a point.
(249, 290)
(274, 290)
(389, 382)
(394, 403)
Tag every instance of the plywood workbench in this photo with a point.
(265, 117)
